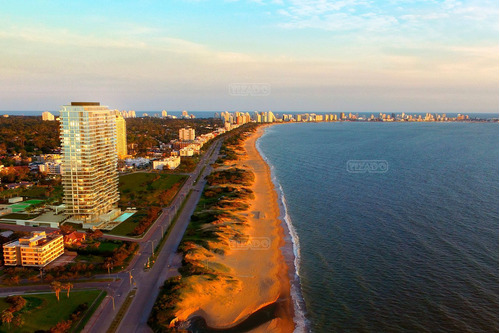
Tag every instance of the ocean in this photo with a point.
(395, 225)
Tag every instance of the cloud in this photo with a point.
(359, 15)
(348, 52)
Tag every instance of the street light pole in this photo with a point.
(130, 276)
(109, 295)
(113, 299)
(152, 248)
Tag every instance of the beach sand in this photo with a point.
(259, 268)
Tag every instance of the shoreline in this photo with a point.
(287, 272)
(290, 249)
(284, 322)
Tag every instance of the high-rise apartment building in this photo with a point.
(121, 135)
(187, 134)
(90, 176)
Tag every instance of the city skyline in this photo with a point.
(351, 56)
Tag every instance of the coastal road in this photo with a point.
(148, 283)
(23, 290)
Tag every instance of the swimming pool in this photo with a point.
(123, 217)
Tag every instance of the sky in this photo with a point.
(280, 55)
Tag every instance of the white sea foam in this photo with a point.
(300, 320)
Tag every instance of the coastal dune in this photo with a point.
(255, 274)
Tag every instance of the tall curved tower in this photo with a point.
(90, 176)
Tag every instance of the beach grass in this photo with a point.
(215, 221)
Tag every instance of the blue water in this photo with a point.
(123, 217)
(414, 248)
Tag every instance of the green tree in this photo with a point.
(68, 287)
(109, 264)
(56, 286)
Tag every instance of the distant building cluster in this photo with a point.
(186, 115)
(231, 118)
(163, 114)
(188, 145)
(47, 163)
(408, 117)
(238, 118)
(128, 114)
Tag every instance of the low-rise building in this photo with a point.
(75, 238)
(171, 163)
(15, 199)
(176, 144)
(137, 162)
(13, 186)
(56, 158)
(38, 250)
(187, 152)
(50, 168)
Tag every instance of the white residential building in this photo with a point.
(171, 163)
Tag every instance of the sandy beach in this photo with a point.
(258, 268)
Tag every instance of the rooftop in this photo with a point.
(37, 238)
(85, 103)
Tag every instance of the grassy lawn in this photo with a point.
(36, 192)
(142, 189)
(108, 246)
(98, 255)
(127, 226)
(43, 311)
(33, 201)
(188, 164)
(145, 190)
(3, 304)
(32, 192)
(89, 259)
(155, 181)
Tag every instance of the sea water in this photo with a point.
(408, 244)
